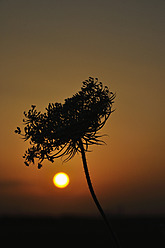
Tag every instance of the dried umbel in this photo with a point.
(58, 131)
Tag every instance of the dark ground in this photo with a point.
(133, 232)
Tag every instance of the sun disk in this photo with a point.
(61, 180)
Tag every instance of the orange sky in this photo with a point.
(47, 49)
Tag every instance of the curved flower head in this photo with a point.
(57, 132)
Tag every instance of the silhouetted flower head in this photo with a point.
(57, 132)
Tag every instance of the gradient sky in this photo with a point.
(47, 49)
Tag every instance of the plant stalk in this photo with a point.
(113, 235)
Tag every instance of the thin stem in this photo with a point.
(113, 235)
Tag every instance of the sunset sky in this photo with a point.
(47, 49)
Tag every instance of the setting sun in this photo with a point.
(61, 180)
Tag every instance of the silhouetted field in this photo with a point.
(133, 232)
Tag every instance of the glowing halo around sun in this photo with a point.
(61, 180)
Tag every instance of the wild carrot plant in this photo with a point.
(69, 128)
